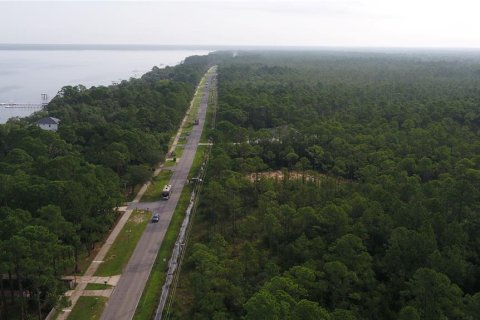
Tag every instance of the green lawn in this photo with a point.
(169, 163)
(197, 98)
(193, 113)
(186, 130)
(121, 250)
(148, 302)
(196, 104)
(97, 286)
(182, 139)
(88, 308)
(178, 151)
(154, 191)
(85, 259)
(197, 161)
(208, 118)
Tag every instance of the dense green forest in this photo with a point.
(375, 211)
(59, 190)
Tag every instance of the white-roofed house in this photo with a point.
(48, 123)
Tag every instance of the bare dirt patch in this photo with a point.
(280, 175)
(138, 217)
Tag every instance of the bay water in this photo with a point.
(27, 73)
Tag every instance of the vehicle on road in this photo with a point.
(167, 190)
(156, 217)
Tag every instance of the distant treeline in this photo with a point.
(390, 228)
(58, 190)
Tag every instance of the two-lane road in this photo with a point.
(127, 294)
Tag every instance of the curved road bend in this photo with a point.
(127, 293)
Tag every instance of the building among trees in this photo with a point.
(48, 123)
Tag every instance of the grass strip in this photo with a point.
(212, 106)
(153, 288)
(154, 191)
(121, 250)
(148, 302)
(193, 113)
(169, 163)
(88, 308)
(197, 162)
(178, 151)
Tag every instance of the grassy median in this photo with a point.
(88, 308)
(121, 250)
(212, 108)
(197, 161)
(153, 288)
(178, 151)
(154, 191)
(148, 302)
(169, 163)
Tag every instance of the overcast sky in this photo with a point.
(379, 23)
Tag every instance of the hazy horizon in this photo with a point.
(162, 47)
(321, 23)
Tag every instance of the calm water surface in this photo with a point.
(26, 74)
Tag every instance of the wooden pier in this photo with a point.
(23, 105)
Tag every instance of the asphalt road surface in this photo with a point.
(127, 293)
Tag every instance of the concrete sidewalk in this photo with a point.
(112, 281)
(80, 288)
(77, 292)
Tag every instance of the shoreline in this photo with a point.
(29, 73)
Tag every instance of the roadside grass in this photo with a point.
(153, 288)
(182, 139)
(85, 259)
(97, 286)
(208, 118)
(193, 113)
(88, 308)
(169, 163)
(197, 162)
(121, 250)
(188, 126)
(154, 191)
(179, 151)
(191, 117)
(148, 302)
(187, 129)
(183, 299)
(196, 104)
